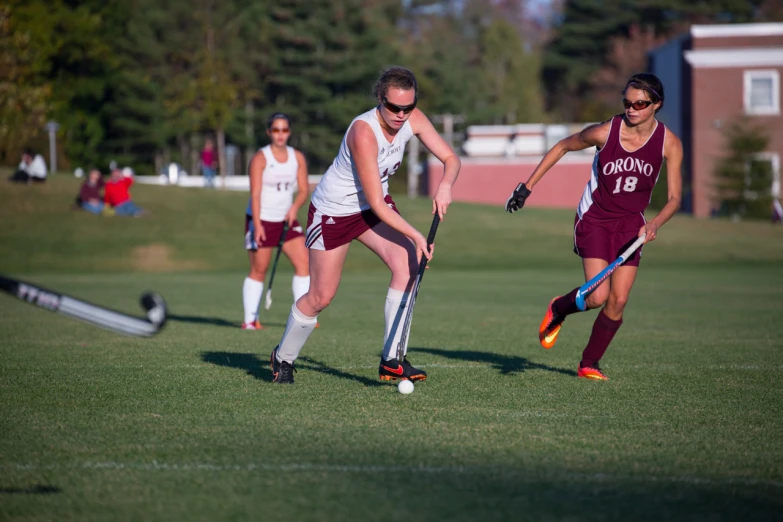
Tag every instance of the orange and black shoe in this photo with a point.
(392, 370)
(591, 372)
(550, 326)
(282, 371)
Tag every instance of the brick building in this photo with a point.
(713, 75)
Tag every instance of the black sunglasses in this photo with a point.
(399, 108)
(637, 105)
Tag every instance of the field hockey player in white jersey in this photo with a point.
(277, 171)
(352, 202)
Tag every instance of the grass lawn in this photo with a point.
(188, 426)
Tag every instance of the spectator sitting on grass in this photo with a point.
(32, 168)
(117, 194)
(90, 198)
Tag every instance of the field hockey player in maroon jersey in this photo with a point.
(631, 148)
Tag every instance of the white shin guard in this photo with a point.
(252, 291)
(300, 285)
(297, 330)
(395, 317)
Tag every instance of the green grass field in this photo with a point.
(188, 426)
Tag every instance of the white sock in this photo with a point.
(251, 298)
(297, 330)
(392, 314)
(300, 285)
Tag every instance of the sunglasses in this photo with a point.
(399, 108)
(639, 105)
(278, 130)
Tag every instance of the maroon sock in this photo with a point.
(566, 305)
(603, 333)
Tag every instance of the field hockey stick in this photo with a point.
(153, 304)
(268, 299)
(589, 287)
(406, 326)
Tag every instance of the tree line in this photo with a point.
(142, 82)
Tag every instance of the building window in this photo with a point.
(763, 174)
(762, 92)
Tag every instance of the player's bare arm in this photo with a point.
(257, 166)
(364, 150)
(672, 152)
(303, 188)
(425, 131)
(591, 136)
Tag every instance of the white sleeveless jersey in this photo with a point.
(340, 193)
(278, 186)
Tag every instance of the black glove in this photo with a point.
(517, 199)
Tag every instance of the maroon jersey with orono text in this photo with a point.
(622, 182)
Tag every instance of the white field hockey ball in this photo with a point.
(405, 387)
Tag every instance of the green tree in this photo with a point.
(586, 34)
(329, 54)
(25, 89)
(58, 61)
(186, 69)
(743, 179)
(511, 76)
(472, 60)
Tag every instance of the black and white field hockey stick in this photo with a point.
(411, 302)
(589, 287)
(153, 304)
(268, 299)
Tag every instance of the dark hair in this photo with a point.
(649, 83)
(27, 151)
(397, 77)
(277, 116)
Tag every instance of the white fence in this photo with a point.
(518, 140)
(231, 182)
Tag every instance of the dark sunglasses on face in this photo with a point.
(399, 108)
(278, 130)
(638, 105)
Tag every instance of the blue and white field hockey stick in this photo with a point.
(589, 287)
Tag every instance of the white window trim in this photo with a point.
(774, 159)
(730, 30)
(748, 76)
(735, 57)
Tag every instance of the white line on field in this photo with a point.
(355, 468)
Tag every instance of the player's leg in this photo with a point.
(592, 242)
(296, 251)
(326, 268)
(563, 306)
(609, 320)
(399, 254)
(253, 287)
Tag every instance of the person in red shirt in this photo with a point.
(208, 163)
(117, 194)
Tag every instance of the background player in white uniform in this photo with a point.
(276, 172)
(352, 202)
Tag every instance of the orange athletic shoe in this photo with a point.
(550, 327)
(593, 372)
(256, 325)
